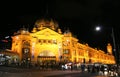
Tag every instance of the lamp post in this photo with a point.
(98, 28)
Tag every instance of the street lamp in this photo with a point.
(98, 28)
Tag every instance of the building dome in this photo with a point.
(46, 23)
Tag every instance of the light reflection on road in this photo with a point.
(78, 75)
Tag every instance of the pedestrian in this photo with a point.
(71, 67)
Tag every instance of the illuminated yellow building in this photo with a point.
(46, 42)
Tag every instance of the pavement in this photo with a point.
(51, 73)
(36, 74)
(18, 72)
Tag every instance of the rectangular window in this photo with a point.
(54, 42)
(66, 51)
(44, 41)
(49, 41)
(40, 41)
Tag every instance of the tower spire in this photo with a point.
(46, 16)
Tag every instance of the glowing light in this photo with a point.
(7, 37)
(17, 37)
(98, 28)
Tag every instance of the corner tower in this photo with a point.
(109, 48)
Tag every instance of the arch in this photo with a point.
(46, 56)
(46, 53)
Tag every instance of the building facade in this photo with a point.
(47, 43)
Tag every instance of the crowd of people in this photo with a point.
(101, 69)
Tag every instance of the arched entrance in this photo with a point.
(46, 57)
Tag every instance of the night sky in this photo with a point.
(79, 16)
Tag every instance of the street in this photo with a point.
(16, 72)
(85, 74)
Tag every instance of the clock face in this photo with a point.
(26, 50)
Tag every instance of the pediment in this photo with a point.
(47, 32)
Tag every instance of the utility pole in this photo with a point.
(118, 54)
(114, 44)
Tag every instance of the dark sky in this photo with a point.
(80, 16)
